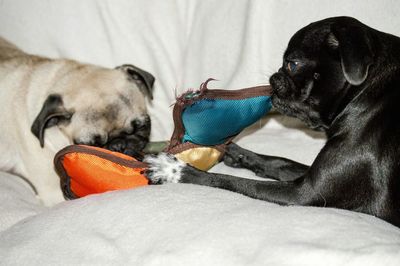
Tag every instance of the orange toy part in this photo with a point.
(86, 170)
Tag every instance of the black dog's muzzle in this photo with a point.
(280, 84)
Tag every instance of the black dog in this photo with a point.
(342, 77)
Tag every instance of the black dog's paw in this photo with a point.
(235, 156)
(163, 168)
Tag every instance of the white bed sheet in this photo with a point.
(181, 224)
(183, 42)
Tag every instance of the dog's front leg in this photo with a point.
(273, 167)
(167, 169)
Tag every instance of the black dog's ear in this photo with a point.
(52, 113)
(355, 50)
(143, 79)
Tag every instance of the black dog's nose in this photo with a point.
(273, 81)
(278, 83)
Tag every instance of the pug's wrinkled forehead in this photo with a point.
(308, 42)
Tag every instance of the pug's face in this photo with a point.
(100, 107)
(325, 65)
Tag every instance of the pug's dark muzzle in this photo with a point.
(281, 96)
(280, 84)
(132, 144)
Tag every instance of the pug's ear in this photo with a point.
(355, 48)
(144, 80)
(52, 113)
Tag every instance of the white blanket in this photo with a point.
(184, 42)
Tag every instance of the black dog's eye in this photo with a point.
(292, 65)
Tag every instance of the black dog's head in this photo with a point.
(325, 65)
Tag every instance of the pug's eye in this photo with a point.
(292, 65)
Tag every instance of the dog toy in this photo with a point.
(85, 170)
(205, 122)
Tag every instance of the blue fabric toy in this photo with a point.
(206, 120)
